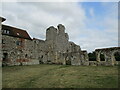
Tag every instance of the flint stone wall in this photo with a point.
(109, 56)
(59, 48)
(18, 55)
(56, 49)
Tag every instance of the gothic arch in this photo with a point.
(100, 55)
(115, 58)
(113, 53)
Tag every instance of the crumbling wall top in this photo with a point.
(36, 39)
(61, 28)
(3, 19)
(51, 28)
(108, 49)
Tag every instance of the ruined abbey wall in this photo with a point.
(18, 54)
(109, 55)
(60, 50)
(56, 49)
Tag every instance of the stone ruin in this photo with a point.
(19, 49)
(109, 54)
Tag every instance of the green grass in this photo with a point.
(60, 76)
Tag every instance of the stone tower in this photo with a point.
(51, 34)
(62, 39)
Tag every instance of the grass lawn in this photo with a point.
(60, 76)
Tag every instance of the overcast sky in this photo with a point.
(91, 25)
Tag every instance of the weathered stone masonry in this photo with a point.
(19, 49)
(109, 54)
(1, 20)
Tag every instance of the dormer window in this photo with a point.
(6, 31)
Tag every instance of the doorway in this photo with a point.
(102, 57)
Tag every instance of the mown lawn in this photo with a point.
(60, 76)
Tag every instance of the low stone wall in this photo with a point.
(30, 62)
(92, 63)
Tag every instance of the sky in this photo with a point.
(91, 25)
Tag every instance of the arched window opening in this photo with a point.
(92, 56)
(42, 56)
(41, 60)
(117, 56)
(68, 62)
(5, 56)
(102, 57)
(26, 55)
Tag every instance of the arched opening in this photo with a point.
(67, 50)
(5, 56)
(68, 61)
(41, 60)
(26, 55)
(42, 57)
(117, 56)
(102, 57)
(5, 59)
(92, 56)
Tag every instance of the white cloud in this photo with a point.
(91, 12)
(42, 15)
(60, 1)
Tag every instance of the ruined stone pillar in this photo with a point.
(51, 34)
(61, 29)
(109, 59)
(84, 58)
(97, 56)
(112, 59)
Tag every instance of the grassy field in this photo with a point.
(60, 76)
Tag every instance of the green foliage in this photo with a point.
(102, 57)
(92, 56)
(117, 56)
